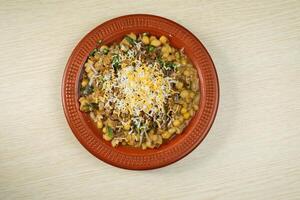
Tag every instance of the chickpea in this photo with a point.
(130, 139)
(132, 36)
(98, 65)
(177, 56)
(195, 86)
(106, 137)
(90, 74)
(187, 73)
(165, 49)
(166, 135)
(149, 144)
(171, 58)
(183, 61)
(87, 67)
(90, 61)
(145, 39)
(183, 110)
(192, 112)
(144, 146)
(196, 99)
(192, 94)
(153, 137)
(184, 94)
(152, 38)
(172, 130)
(114, 142)
(165, 55)
(82, 99)
(181, 119)
(155, 43)
(169, 48)
(176, 123)
(179, 85)
(163, 39)
(159, 139)
(186, 115)
(195, 107)
(99, 124)
(104, 130)
(84, 82)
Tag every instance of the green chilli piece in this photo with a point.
(110, 132)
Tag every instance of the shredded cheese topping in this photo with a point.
(137, 89)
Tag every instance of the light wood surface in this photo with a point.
(251, 152)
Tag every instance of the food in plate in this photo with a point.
(139, 92)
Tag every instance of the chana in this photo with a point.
(179, 85)
(186, 115)
(163, 39)
(184, 94)
(99, 124)
(145, 39)
(152, 38)
(195, 107)
(125, 86)
(183, 110)
(84, 82)
(106, 137)
(176, 123)
(155, 43)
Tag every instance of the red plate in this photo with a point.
(134, 158)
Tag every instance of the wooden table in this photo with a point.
(251, 152)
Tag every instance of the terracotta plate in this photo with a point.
(133, 158)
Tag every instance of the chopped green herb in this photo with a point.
(89, 107)
(130, 40)
(150, 48)
(170, 65)
(105, 51)
(161, 62)
(110, 132)
(116, 62)
(86, 90)
(93, 52)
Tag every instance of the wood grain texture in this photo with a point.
(252, 151)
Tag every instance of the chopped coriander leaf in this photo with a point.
(87, 90)
(150, 48)
(105, 51)
(170, 65)
(110, 132)
(130, 40)
(93, 52)
(116, 62)
(89, 107)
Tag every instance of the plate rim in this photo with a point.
(213, 113)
